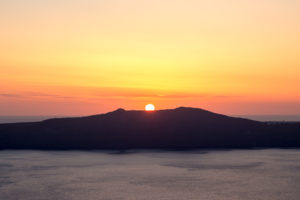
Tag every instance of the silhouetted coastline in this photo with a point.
(178, 129)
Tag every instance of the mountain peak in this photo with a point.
(120, 110)
(183, 127)
(182, 108)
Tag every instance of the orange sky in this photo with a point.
(76, 57)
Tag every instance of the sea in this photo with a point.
(257, 174)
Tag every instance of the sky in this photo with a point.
(72, 57)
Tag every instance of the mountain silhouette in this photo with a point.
(180, 128)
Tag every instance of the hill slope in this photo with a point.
(178, 128)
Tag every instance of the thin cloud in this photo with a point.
(38, 94)
(34, 94)
(10, 95)
(115, 93)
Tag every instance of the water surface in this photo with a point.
(272, 174)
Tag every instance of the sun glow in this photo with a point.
(56, 60)
(149, 107)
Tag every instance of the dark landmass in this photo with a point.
(181, 128)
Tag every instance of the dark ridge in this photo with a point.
(180, 128)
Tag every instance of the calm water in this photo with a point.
(209, 175)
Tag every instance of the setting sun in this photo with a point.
(149, 107)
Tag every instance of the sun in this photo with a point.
(149, 107)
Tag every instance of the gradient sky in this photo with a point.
(71, 57)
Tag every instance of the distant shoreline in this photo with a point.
(261, 118)
(132, 151)
(182, 128)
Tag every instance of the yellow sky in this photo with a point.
(82, 57)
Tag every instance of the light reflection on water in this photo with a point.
(210, 175)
